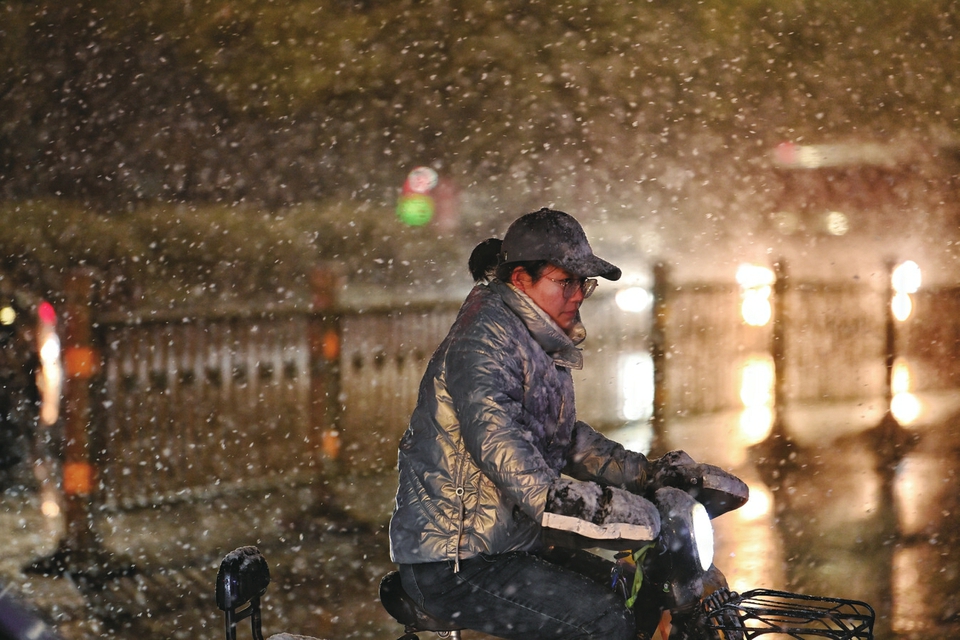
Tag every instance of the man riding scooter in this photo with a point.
(494, 454)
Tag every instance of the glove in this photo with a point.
(675, 469)
(619, 506)
(600, 516)
(574, 498)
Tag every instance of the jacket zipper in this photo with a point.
(456, 561)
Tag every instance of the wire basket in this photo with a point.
(778, 614)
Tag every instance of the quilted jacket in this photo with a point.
(495, 424)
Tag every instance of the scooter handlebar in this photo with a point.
(717, 490)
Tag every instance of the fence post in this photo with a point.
(777, 454)
(778, 350)
(80, 551)
(889, 437)
(658, 345)
(325, 402)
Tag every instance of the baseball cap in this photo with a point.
(559, 239)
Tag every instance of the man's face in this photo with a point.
(548, 293)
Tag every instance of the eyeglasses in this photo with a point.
(571, 285)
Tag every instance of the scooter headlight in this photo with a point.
(702, 530)
(685, 547)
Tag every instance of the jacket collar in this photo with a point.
(548, 334)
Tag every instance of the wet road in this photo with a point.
(325, 567)
(843, 512)
(846, 515)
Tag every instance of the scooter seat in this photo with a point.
(405, 610)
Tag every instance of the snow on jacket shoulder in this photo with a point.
(494, 426)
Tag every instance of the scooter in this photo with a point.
(672, 584)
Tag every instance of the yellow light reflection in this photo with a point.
(904, 406)
(49, 495)
(759, 505)
(756, 423)
(920, 491)
(755, 307)
(912, 601)
(749, 551)
(901, 305)
(756, 380)
(756, 393)
(636, 386)
(50, 508)
(901, 377)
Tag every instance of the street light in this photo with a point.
(756, 287)
(634, 299)
(905, 280)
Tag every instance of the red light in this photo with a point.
(786, 154)
(46, 313)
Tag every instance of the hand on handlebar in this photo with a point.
(590, 502)
(675, 469)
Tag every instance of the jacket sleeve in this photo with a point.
(485, 383)
(595, 457)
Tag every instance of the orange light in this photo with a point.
(330, 443)
(331, 345)
(80, 362)
(77, 478)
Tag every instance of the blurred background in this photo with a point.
(233, 232)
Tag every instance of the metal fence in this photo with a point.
(384, 355)
(835, 342)
(931, 339)
(204, 404)
(706, 343)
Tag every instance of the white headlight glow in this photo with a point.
(703, 535)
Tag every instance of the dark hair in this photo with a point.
(484, 263)
(534, 269)
(484, 259)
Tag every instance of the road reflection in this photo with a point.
(837, 510)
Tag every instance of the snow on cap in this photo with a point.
(559, 239)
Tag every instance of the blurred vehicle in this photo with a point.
(19, 621)
(30, 385)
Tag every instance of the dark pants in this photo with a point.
(522, 595)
